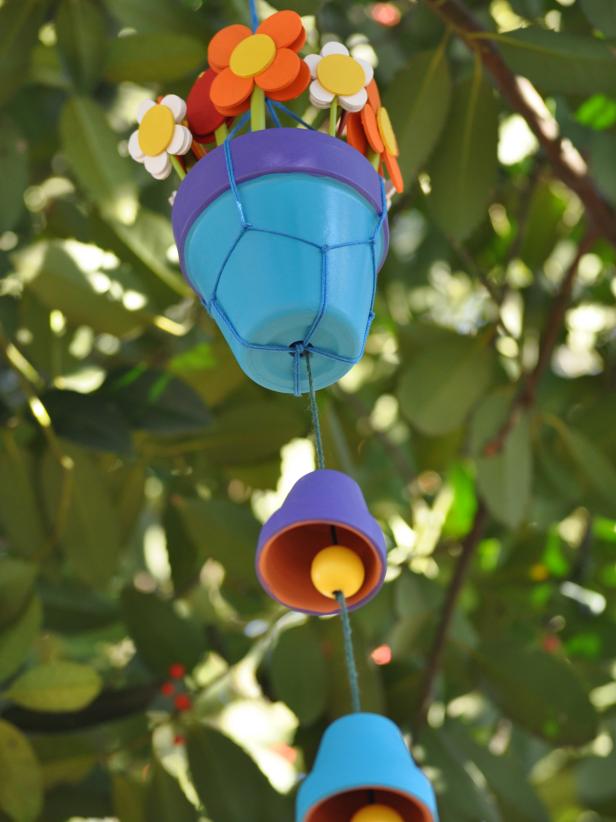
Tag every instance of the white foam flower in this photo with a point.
(338, 76)
(160, 134)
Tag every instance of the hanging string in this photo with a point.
(254, 17)
(314, 410)
(349, 653)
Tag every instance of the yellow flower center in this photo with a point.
(156, 130)
(388, 135)
(340, 74)
(253, 55)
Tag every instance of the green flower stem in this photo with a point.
(375, 159)
(177, 166)
(221, 134)
(257, 109)
(333, 117)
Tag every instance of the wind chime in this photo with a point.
(282, 232)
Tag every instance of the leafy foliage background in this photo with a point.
(136, 460)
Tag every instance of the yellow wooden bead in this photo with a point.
(156, 130)
(377, 813)
(388, 135)
(253, 55)
(337, 569)
(340, 74)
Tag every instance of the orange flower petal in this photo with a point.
(355, 133)
(300, 42)
(203, 118)
(393, 169)
(283, 71)
(228, 90)
(284, 27)
(371, 129)
(296, 88)
(234, 111)
(374, 98)
(222, 44)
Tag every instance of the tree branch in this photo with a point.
(524, 399)
(456, 15)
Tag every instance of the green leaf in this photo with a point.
(17, 638)
(595, 467)
(598, 112)
(298, 673)
(603, 170)
(21, 788)
(129, 797)
(161, 635)
(464, 167)
(19, 25)
(555, 61)
(82, 41)
(90, 420)
(79, 502)
(91, 149)
(16, 583)
(218, 766)
(154, 58)
(505, 477)
(602, 14)
(165, 800)
(13, 172)
(20, 510)
(541, 232)
(418, 103)
(538, 691)
(444, 381)
(252, 431)
(159, 16)
(594, 776)
(56, 687)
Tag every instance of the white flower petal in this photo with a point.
(312, 61)
(176, 105)
(156, 165)
(368, 70)
(334, 48)
(163, 174)
(354, 102)
(319, 96)
(181, 141)
(143, 109)
(134, 149)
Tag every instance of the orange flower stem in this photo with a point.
(177, 166)
(257, 109)
(221, 134)
(375, 159)
(333, 117)
(198, 150)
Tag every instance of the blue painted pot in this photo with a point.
(282, 233)
(363, 759)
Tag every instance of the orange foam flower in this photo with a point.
(267, 58)
(371, 131)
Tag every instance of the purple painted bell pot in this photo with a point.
(281, 233)
(363, 759)
(302, 527)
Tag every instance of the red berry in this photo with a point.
(183, 702)
(167, 689)
(177, 671)
(179, 740)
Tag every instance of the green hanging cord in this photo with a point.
(349, 653)
(314, 410)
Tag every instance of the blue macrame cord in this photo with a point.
(305, 347)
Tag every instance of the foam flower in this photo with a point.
(266, 59)
(338, 76)
(160, 134)
(371, 131)
(203, 117)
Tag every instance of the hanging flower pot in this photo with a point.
(321, 540)
(282, 233)
(364, 773)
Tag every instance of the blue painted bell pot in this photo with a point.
(281, 233)
(363, 759)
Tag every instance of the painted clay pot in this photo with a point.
(281, 233)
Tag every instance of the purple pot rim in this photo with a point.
(301, 150)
